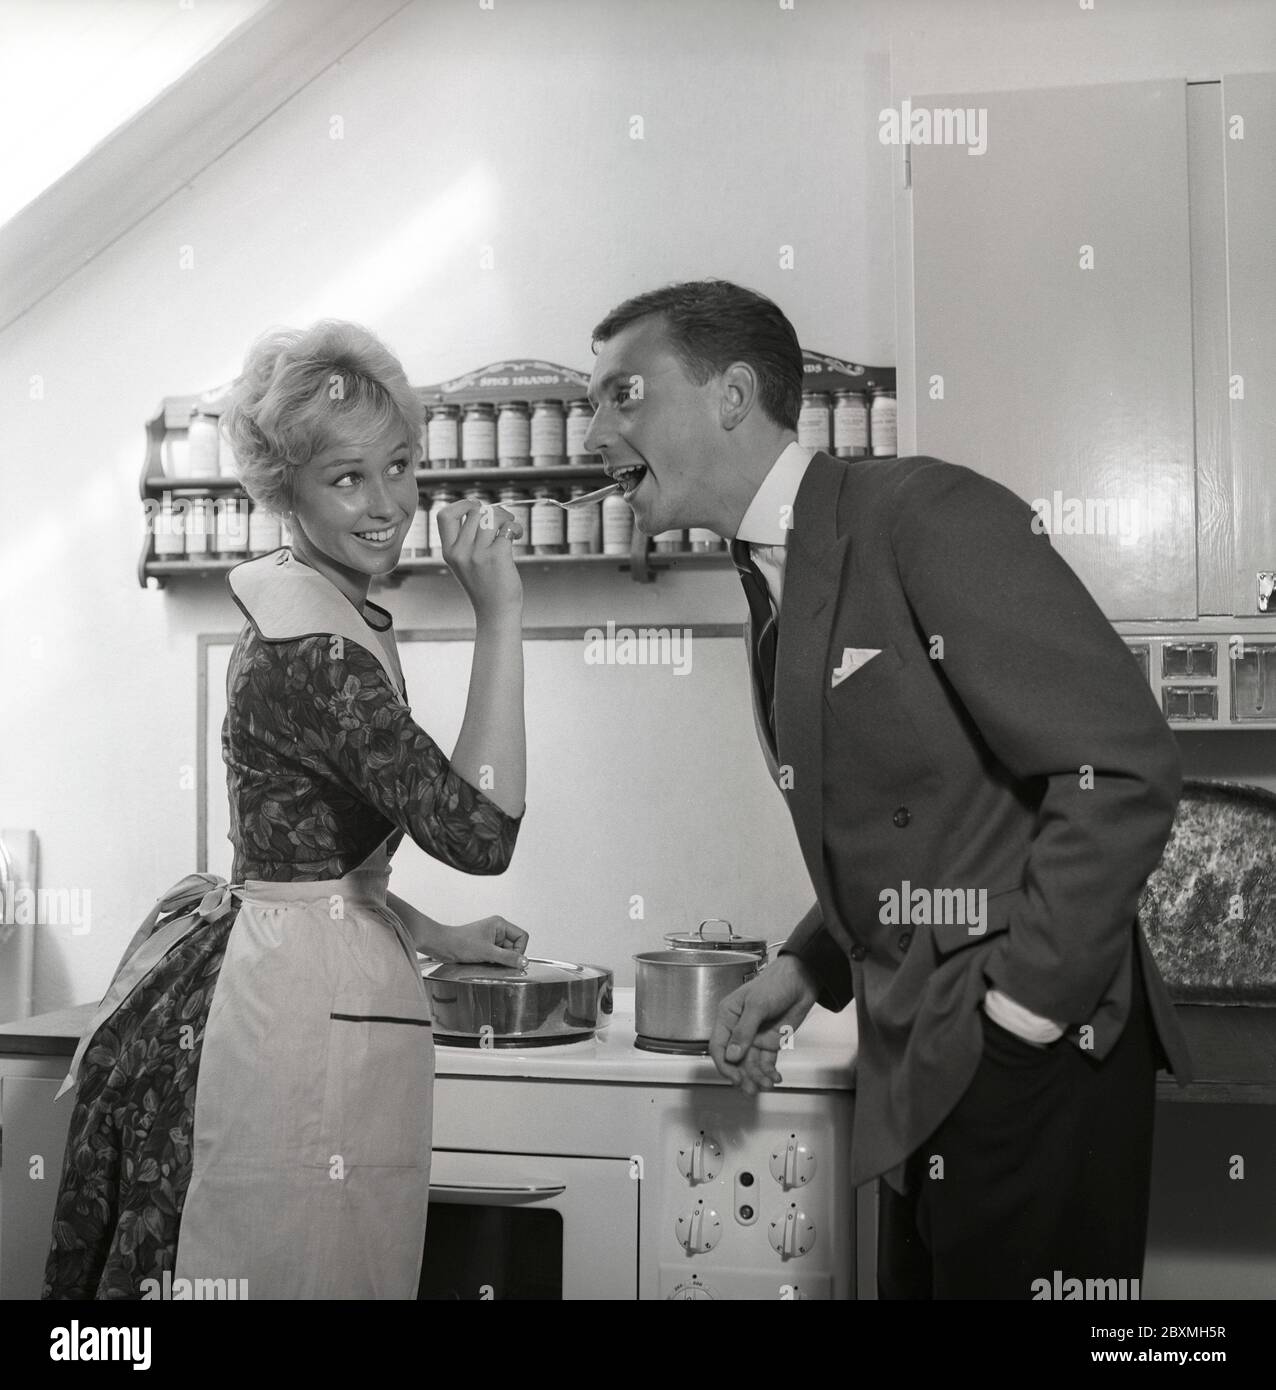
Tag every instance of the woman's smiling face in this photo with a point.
(353, 504)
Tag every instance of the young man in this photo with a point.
(980, 781)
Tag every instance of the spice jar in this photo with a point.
(443, 436)
(850, 424)
(548, 435)
(478, 436)
(197, 521)
(883, 425)
(813, 421)
(549, 530)
(442, 497)
(230, 537)
(519, 504)
(667, 542)
(701, 540)
(169, 528)
(416, 545)
(203, 444)
(227, 466)
(174, 454)
(580, 415)
(514, 435)
(618, 525)
(265, 531)
(585, 525)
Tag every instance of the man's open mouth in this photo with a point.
(629, 476)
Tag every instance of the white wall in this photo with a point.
(463, 128)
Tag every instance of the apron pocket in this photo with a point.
(379, 1084)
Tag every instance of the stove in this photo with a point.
(822, 1056)
(595, 1169)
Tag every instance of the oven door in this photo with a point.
(530, 1226)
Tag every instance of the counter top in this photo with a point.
(55, 1034)
(1234, 1050)
(822, 1057)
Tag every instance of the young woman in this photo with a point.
(254, 1093)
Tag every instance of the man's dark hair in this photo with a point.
(712, 323)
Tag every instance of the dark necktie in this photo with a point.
(763, 629)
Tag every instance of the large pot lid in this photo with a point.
(536, 971)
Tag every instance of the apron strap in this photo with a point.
(195, 899)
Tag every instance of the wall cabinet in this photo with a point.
(1075, 305)
(1250, 165)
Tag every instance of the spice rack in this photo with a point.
(202, 524)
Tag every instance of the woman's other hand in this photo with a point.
(478, 547)
(488, 939)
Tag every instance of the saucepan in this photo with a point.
(545, 1003)
(677, 994)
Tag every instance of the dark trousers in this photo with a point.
(1046, 1163)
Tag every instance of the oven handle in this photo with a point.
(494, 1194)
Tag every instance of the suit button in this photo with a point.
(905, 940)
(858, 952)
(901, 817)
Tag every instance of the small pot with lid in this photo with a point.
(677, 994)
(698, 940)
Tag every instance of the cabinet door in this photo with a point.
(1067, 384)
(33, 1127)
(1251, 307)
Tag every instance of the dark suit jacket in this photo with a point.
(1029, 760)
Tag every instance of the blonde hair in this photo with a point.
(305, 390)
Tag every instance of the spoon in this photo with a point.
(588, 497)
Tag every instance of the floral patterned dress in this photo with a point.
(253, 1095)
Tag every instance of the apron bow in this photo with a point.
(207, 895)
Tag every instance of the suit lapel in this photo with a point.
(813, 571)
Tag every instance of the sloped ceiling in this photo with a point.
(264, 51)
(72, 71)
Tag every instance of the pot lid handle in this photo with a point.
(560, 964)
(730, 936)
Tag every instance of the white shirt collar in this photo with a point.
(769, 517)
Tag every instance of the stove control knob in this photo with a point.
(792, 1162)
(700, 1159)
(792, 1234)
(692, 1289)
(700, 1230)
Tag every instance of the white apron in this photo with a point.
(311, 1156)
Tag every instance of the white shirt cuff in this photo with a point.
(1033, 1028)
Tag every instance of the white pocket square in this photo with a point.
(853, 659)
